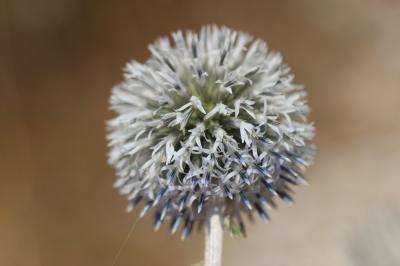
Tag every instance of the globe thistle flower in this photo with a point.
(210, 119)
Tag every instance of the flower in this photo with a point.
(213, 119)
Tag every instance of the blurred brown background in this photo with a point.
(58, 61)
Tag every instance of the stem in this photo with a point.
(214, 240)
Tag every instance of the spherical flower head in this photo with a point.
(212, 119)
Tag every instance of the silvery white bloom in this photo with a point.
(212, 119)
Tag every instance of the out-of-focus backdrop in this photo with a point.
(58, 62)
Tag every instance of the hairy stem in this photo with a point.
(214, 240)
